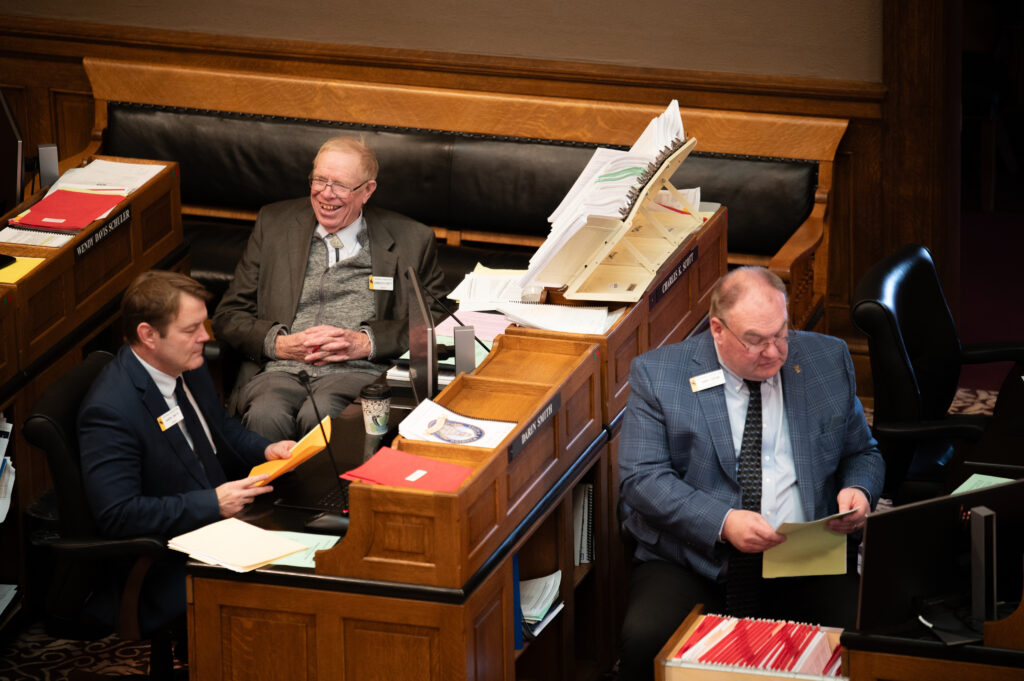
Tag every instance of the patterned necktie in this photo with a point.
(200, 443)
(743, 587)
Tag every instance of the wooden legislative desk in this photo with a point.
(421, 586)
(54, 312)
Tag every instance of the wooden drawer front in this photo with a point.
(8, 336)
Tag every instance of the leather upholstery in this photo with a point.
(916, 358)
(443, 179)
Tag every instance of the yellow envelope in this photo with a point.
(312, 443)
(810, 549)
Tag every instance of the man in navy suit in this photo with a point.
(157, 447)
(679, 463)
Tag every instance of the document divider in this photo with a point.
(441, 539)
(669, 668)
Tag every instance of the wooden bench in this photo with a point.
(483, 169)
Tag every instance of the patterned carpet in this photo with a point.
(34, 656)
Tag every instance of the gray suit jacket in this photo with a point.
(268, 279)
(676, 456)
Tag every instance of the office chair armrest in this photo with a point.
(980, 353)
(1002, 470)
(965, 426)
(95, 548)
(213, 350)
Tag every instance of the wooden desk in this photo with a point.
(62, 307)
(293, 623)
(888, 658)
(421, 587)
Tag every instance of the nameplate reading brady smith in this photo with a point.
(103, 232)
(672, 278)
(533, 427)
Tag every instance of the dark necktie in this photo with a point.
(200, 443)
(744, 580)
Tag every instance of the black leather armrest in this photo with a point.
(979, 353)
(99, 548)
(966, 426)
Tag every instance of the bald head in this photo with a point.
(737, 284)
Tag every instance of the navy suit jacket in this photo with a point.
(144, 481)
(677, 460)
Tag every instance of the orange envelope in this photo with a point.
(312, 443)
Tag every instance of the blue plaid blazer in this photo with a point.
(677, 462)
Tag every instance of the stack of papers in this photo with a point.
(539, 601)
(401, 469)
(431, 422)
(235, 544)
(77, 198)
(762, 644)
(601, 192)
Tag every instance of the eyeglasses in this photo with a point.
(781, 341)
(318, 184)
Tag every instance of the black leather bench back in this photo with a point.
(443, 179)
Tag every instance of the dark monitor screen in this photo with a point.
(422, 342)
(921, 551)
(12, 151)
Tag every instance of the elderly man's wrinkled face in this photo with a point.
(753, 338)
(338, 190)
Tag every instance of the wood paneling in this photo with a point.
(896, 174)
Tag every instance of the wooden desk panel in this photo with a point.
(76, 280)
(8, 335)
(239, 630)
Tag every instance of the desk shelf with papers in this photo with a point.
(421, 585)
(439, 539)
(674, 304)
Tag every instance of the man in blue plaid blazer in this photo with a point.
(678, 460)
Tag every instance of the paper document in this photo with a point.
(6, 486)
(311, 443)
(978, 481)
(402, 469)
(108, 176)
(564, 318)
(810, 549)
(15, 271)
(7, 594)
(537, 595)
(486, 325)
(28, 237)
(431, 422)
(312, 542)
(235, 544)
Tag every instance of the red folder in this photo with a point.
(401, 469)
(67, 211)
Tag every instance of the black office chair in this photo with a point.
(916, 357)
(82, 558)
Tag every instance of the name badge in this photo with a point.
(170, 418)
(382, 283)
(708, 380)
